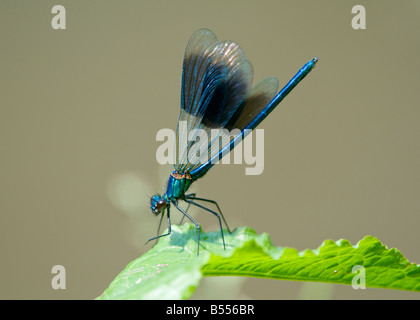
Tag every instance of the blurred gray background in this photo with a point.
(80, 109)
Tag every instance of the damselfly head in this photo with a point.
(158, 204)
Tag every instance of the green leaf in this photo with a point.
(172, 270)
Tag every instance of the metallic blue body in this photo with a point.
(177, 186)
(179, 183)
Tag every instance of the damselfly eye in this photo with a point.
(161, 205)
(157, 204)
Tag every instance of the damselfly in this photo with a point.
(216, 93)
